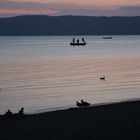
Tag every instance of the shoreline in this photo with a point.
(74, 107)
(63, 108)
(112, 121)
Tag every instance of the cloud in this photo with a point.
(118, 11)
(9, 8)
(128, 11)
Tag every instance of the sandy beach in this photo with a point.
(112, 121)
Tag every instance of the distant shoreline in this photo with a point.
(65, 35)
(41, 25)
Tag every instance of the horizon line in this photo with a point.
(61, 16)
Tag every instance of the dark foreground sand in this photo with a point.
(119, 121)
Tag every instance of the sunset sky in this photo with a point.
(72, 7)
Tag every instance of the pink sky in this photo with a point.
(73, 7)
(86, 2)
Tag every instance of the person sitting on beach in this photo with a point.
(82, 103)
(8, 113)
(21, 111)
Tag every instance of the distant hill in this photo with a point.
(69, 25)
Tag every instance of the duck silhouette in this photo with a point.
(102, 78)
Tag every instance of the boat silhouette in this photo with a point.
(107, 37)
(78, 44)
(73, 43)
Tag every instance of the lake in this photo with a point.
(44, 73)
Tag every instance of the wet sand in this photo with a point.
(118, 121)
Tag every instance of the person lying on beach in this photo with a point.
(82, 103)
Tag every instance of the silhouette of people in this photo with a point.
(83, 40)
(82, 103)
(21, 111)
(77, 41)
(73, 41)
(8, 114)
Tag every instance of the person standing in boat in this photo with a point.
(73, 41)
(77, 41)
(83, 40)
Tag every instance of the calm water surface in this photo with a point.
(46, 73)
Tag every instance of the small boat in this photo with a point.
(73, 43)
(108, 37)
(78, 44)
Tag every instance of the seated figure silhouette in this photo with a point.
(8, 114)
(82, 103)
(21, 111)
